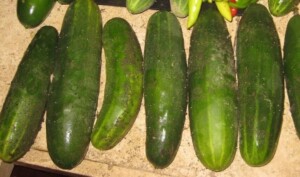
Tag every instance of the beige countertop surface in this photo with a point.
(128, 157)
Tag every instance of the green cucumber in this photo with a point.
(282, 7)
(75, 88)
(212, 91)
(179, 7)
(24, 106)
(260, 85)
(31, 13)
(124, 84)
(138, 6)
(65, 1)
(165, 74)
(241, 4)
(292, 68)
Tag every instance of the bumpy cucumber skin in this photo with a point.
(260, 85)
(281, 7)
(124, 84)
(138, 6)
(165, 79)
(31, 13)
(24, 106)
(179, 8)
(292, 68)
(212, 92)
(75, 88)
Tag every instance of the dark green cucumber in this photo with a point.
(31, 13)
(260, 85)
(24, 106)
(65, 1)
(124, 84)
(282, 7)
(138, 6)
(292, 68)
(75, 88)
(165, 74)
(212, 91)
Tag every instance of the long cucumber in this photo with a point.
(75, 88)
(260, 85)
(24, 106)
(165, 74)
(124, 84)
(212, 91)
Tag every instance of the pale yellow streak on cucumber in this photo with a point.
(224, 9)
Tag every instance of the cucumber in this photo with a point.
(241, 4)
(138, 6)
(282, 7)
(165, 93)
(124, 84)
(24, 106)
(292, 68)
(65, 1)
(179, 8)
(260, 85)
(74, 92)
(32, 13)
(212, 91)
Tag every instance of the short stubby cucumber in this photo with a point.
(24, 106)
(124, 84)
(179, 8)
(165, 93)
(291, 61)
(260, 85)
(76, 79)
(212, 91)
(32, 13)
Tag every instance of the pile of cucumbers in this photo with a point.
(60, 74)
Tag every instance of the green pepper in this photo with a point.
(31, 13)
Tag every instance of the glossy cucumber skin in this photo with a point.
(124, 84)
(282, 7)
(212, 92)
(261, 87)
(292, 68)
(24, 106)
(179, 8)
(75, 87)
(138, 6)
(31, 13)
(165, 74)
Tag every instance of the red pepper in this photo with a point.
(233, 10)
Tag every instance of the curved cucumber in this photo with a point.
(31, 13)
(138, 6)
(165, 71)
(124, 84)
(75, 88)
(212, 92)
(282, 7)
(260, 88)
(24, 106)
(292, 68)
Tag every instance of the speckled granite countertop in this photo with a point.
(128, 158)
